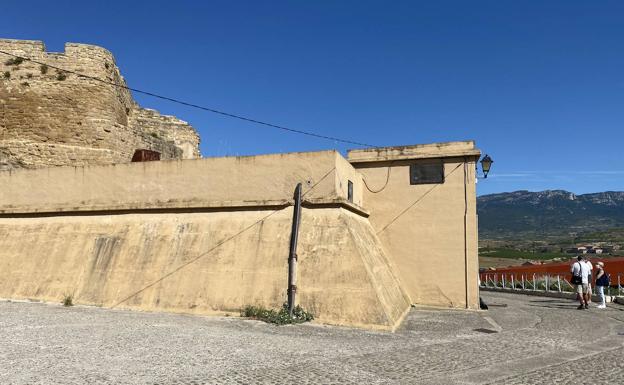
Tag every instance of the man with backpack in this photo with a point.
(580, 278)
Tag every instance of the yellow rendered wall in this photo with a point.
(344, 277)
(421, 228)
(198, 183)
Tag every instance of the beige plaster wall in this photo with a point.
(345, 172)
(353, 270)
(198, 183)
(422, 226)
(173, 262)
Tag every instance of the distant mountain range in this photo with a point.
(523, 214)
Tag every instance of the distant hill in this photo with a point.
(523, 214)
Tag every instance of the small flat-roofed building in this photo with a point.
(422, 203)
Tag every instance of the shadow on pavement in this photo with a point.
(548, 300)
(554, 304)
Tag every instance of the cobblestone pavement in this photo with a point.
(532, 340)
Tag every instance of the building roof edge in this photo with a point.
(419, 151)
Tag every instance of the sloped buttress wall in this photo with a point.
(168, 261)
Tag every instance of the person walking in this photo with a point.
(580, 278)
(602, 281)
(589, 279)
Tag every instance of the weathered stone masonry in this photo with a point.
(52, 118)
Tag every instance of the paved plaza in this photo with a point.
(531, 340)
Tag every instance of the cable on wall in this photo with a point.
(416, 201)
(385, 184)
(219, 244)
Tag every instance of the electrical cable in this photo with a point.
(219, 244)
(415, 202)
(385, 184)
(192, 105)
(184, 103)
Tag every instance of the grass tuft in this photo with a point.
(277, 317)
(68, 300)
(14, 61)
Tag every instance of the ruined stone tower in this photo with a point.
(54, 118)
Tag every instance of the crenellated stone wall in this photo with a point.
(52, 118)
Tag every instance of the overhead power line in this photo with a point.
(184, 103)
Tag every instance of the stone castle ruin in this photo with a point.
(380, 230)
(54, 118)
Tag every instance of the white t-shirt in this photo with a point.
(591, 268)
(583, 269)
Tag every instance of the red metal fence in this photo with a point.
(551, 276)
(613, 266)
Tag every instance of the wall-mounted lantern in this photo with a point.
(486, 163)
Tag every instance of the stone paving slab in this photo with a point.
(530, 341)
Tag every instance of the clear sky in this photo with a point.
(539, 85)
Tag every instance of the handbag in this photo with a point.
(576, 280)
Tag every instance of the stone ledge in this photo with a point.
(420, 151)
(179, 206)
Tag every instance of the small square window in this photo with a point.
(427, 173)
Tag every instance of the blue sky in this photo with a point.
(539, 85)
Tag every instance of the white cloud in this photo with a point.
(511, 175)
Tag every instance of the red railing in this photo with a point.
(613, 266)
(550, 277)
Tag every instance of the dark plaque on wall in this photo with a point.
(427, 173)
